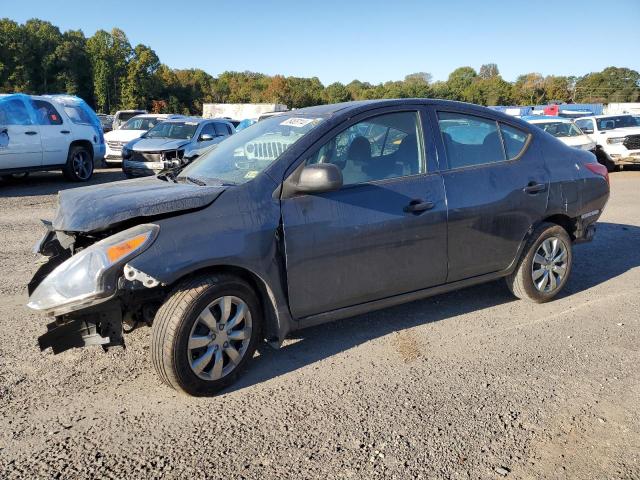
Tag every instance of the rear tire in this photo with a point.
(544, 266)
(79, 166)
(205, 333)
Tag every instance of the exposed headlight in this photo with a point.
(89, 277)
(614, 140)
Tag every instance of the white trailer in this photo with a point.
(621, 108)
(240, 111)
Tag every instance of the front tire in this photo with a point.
(545, 265)
(79, 166)
(205, 333)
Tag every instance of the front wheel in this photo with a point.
(205, 333)
(79, 166)
(545, 265)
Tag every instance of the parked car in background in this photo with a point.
(247, 122)
(172, 143)
(122, 116)
(49, 132)
(564, 130)
(616, 136)
(132, 129)
(237, 249)
(106, 121)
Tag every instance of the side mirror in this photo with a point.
(318, 178)
(205, 137)
(588, 131)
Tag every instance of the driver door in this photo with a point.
(383, 233)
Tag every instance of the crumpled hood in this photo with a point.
(157, 144)
(97, 207)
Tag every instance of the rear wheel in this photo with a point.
(205, 333)
(545, 265)
(79, 166)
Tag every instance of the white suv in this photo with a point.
(617, 138)
(49, 132)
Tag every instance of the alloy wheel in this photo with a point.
(549, 266)
(219, 338)
(82, 165)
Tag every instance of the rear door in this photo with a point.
(55, 135)
(497, 186)
(19, 136)
(383, 233)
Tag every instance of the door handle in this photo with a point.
(65, 132)
(533, 188)
(30, 132)
(417, 206)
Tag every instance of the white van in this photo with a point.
(49, 132)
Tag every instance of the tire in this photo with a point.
(183, 351)
(521, 282)
(79, 166)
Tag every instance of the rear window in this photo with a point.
(514, 140)
(78, 115)
(470, 140)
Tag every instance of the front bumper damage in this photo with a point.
(99, 325)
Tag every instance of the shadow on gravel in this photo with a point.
(47, 183)
(614, 251)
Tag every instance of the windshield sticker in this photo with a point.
(190, 123)
(251, 174)
(297, 122)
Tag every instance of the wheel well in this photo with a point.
(565, 222)
(82, 143)
(267, 303)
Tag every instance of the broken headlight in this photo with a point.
(89, 277)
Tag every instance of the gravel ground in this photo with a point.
(472, 384)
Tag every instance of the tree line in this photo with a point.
(111, 74)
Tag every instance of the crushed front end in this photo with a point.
(85, 283)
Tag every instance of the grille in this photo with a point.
(115, 145)
(632, 142)
(146, 157)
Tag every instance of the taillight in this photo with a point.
(598, 169)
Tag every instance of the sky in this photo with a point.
(372, 41)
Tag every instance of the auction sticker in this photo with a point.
(251, 174)
(297, 122)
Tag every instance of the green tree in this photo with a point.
(459, 80)
(529, 89)
(74, 66)
(613, 84)
(39, 55)
(336, 93)
(13, 74)
(488, 70)
(141, 85)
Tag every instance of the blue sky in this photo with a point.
(371, 40)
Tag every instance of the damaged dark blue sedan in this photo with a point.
(311, 216)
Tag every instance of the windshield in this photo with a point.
(142, 123)
(611, 123)
(245, 154)
(173, 130)
(560, 129)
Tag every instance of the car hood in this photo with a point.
(99, 207)
(157, 144)
(122, 135)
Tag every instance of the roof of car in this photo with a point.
(608, 116)
(197, 120)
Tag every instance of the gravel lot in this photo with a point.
(472, 384)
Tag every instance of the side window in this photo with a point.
(14, 112)
(514, 140)
(586, 125)
(221, 129)
(78, 115)
(470, 140)
(386, 146)
(46, 114)
(208, 129)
